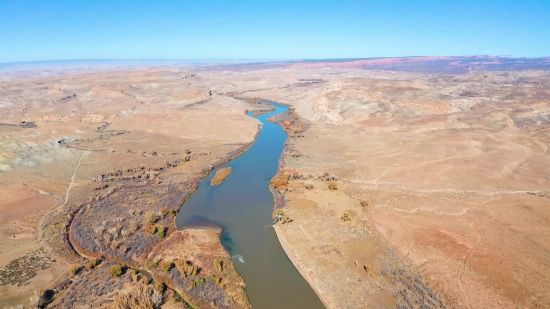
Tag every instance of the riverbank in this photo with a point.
(242, 206)
(299, 264)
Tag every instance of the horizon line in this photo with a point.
(199, 60)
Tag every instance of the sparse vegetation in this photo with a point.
(135, 275)
(74, 269)
(160, 287)
(38, 299)
(115, 270)
(345, 217)
(279, 215)
(152, 217)
(295, 154)
(198, 281)
(210, 277)
(165, 265)
(160, 231)
(91, 264)
(186, 268)
(219, 266)
(364, 203)
(139, 298)
(333, 185)
(280, 182)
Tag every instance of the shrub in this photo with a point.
(279, 215)
(145, 280)
(151, 217)
(135, 275)
(219, 266)
(333, 185)
(116, 270)
(210, 277)
(165, 265)
(281, 181)
(74, 269)
(186, 268)
(198, 282)
(154, 265)
(38, 298)
(308, 185)
(346, 217)
(151, 229)
(364, 203)
(161, 231)
(91, 264)
(139, 298)
(367, 268)
(160, 287)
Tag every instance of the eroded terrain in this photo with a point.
(95, 167)
(408, 183)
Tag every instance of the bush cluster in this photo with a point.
(115, 270)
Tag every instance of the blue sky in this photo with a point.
(202, 29)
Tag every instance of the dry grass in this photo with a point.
(280, 182)
(38, 299)
(219, 266)
(220, 176)
(186, 268)
(152, 217)
(165, 265)
(74, 269)
(91, 264)
(160, 287)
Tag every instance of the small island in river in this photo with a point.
(220, 176)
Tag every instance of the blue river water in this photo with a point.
(242, 206)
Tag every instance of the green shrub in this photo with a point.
(161, 231)
(116, 270)
(154, 265)
(199, 281)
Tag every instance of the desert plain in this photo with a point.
(409, 182)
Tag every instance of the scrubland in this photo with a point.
(405, 183)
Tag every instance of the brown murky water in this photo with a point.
(242, 206)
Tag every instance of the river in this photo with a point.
(242, 205)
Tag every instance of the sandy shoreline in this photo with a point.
(301, 269)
